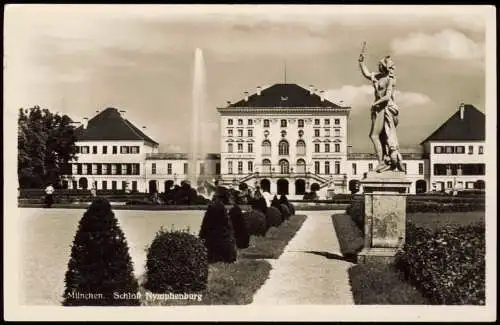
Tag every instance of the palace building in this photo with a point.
(286, 139)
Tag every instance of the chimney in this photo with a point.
(228, 102)
(462, 108)
(246, 96)
(311, 89)
(322, 95)
(258, 90)
(341, 103)
(122, 114)
(85, 122)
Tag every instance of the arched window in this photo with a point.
(284, 166)
(266, 148)
(301, 166)
(266, 166)
(283, 148)
(266, 123)
(301, 147)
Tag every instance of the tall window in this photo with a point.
(283, 148)
(327, 167)
(250, 122)
(266, 147)
(169, 168)
(240, 147)
(266, 123)
(153, 168)
(354, 169)
(186, 168)
(230, 147)
(471, 150)
(124, 185)
(301, 147)
(301, 166)
(405, 168)
(240, 167)
(301, 123)
(337, 132)
(229, 167)
(316, 132)
(370, 167)
(327, 147)
(250, 147)
(115, 150)
(202, 169)
(480, 150)
(327, 132)
(337, 121)
(124, 149)
(240, 132)
(337, 147)
(420, 168)
(94, 150)
(327, 121)
(250, 133)
(240, 121)
(284, 166)
(104, 185)
(439, 149)
(283, 123)
(113, 169)
(134, 186)
(230, 121)
(105, 169)
(94, 169)
(85, 149)
(250, 166)
(266, 166)
(113, 185)
(316, 121)
(316, 147)
(337, 167)
(124, 169)
(230, 132)
(316, 167)
(135, 169)
(460, 149)
(104, 150)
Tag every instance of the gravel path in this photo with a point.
(311, 270)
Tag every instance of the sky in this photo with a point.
(78, 59)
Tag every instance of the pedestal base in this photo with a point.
(377, 255)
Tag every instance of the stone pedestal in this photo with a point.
(385, 215)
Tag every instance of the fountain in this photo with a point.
(197, 108)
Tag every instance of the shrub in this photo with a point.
(273, 217)
(275, 202)
(255, 221)
(310, 196)
(176, 262)
(291, 207)
(240, 230)
(260, 204)
(100, 260)
(285, 211)
(217, 232)
(447, 265)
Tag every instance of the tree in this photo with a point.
(46, 143)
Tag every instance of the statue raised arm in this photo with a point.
(384, 114)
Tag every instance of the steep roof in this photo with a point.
(284, 95)
(110, 125)
(470, 128)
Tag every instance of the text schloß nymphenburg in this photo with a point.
(158, 296)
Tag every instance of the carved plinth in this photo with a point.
(385, 215)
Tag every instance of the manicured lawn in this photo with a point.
(236, 283)
(383, 284)
(274, 242)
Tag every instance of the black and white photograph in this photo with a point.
(250, 162)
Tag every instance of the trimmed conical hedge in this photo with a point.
(239, 227)
(273, 217)
(100, 270)
(176, 262)
(217, 232)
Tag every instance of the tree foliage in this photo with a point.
(46, 143)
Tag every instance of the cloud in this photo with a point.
(447, 44)
(362, 96)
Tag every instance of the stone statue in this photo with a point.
(384, 114)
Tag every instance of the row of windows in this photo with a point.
(104, 149)
(186, 168)
(240, 122)
(327, 147)
(240, 147)
(105, 169)
(104, 185)
(317, 132)
(459, 169)
(240, 132)
(457, 149)
(370, 168)
(300, 122)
